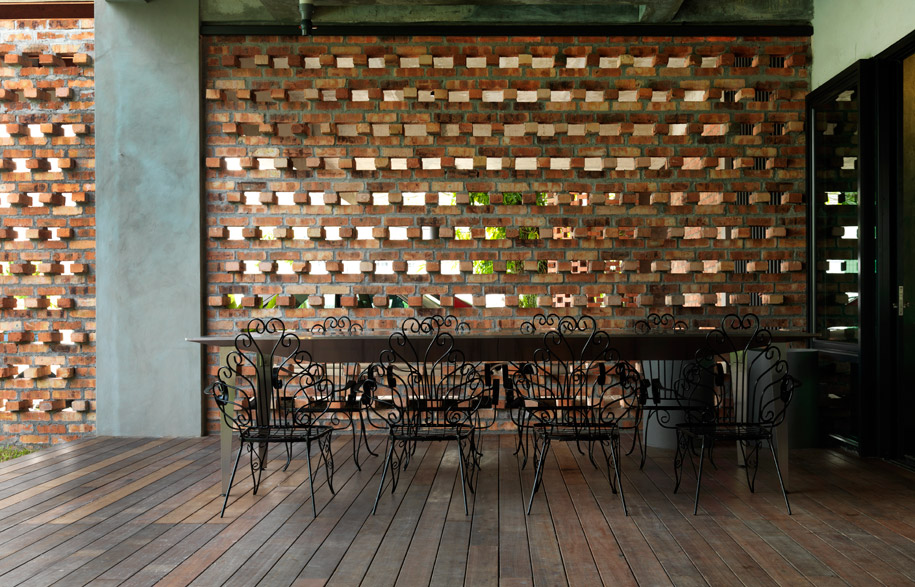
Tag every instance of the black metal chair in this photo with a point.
(746, 388)
(349, 392)
(520, 416)
(426, 391)
(263, 409)
(577, 389)
(658, 400)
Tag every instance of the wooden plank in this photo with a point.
(315, 554)
(388, 561)
(419, 559)
(71, 543)
(356, 561)
(577, 559)
(482, 563)
(605, 551)
(283, 528)
(853, 522)
(270, 496)
(514, 550)
(95, 553)
(652, 553)
(546, 556)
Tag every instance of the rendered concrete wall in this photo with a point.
(847, 30)
(148, 218)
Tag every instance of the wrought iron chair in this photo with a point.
(577, 389)
(264, 409)
(520, 416)
(426, 391)
(748, 399)
(349, 391)
(658, 400)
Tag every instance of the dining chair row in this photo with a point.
(574, 388)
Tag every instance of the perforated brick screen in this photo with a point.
(47, 230)
(499, 177)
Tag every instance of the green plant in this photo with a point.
(527, 301)
(529, 232)
(479, 198)
(541, 198)
(512, 198)
(494, 232)
(514, 267)
(461, 233)
(542, 266)
(482, 267)
(11, 452)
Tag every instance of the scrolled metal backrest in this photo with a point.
(741, 374)
(339, 324)
(347, 379)
(422, 379)
(275, 383)
(660, 376)
(655, 322)
(576, 376)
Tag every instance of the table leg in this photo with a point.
(225, 433)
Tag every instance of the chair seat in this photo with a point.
(285, 434)
(431, 432)
(730, 431)
(567, 433)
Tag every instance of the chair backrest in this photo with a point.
(346, 378)
(740, 375)
(276, 384)
(423, 380)
(576, 377)
(660, 375)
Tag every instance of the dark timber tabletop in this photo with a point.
(497, 346)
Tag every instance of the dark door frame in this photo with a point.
(882, 405)
(860, 75)
(895, 416)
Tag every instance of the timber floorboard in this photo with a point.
(142, 511)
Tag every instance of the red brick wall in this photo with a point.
(47, 230)
(656, 173)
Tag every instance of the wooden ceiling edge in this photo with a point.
(20, 10)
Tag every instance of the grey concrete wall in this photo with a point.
(148, 218)
(845, 31)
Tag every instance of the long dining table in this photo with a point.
(496, 346)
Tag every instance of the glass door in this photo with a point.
(842, 245)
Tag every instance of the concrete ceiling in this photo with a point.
(509, 12)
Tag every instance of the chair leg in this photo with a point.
(778, 473)
(327, 454)
(311, 484)
(257, 466)
(614, 452)
(357, 441)
(683, 445)
(463, 479)
(750, 463)
(384, 471)
(699, 477)
(643, 442)
(365, 438)
(288, 456)
(538, 473)
(225, 502)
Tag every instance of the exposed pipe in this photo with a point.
(307, 11)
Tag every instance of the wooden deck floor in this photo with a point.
(109, 511)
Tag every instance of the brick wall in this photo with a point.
(499, 177)
(47, 230)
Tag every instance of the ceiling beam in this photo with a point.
(659, 10)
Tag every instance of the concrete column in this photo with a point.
(148, 218)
